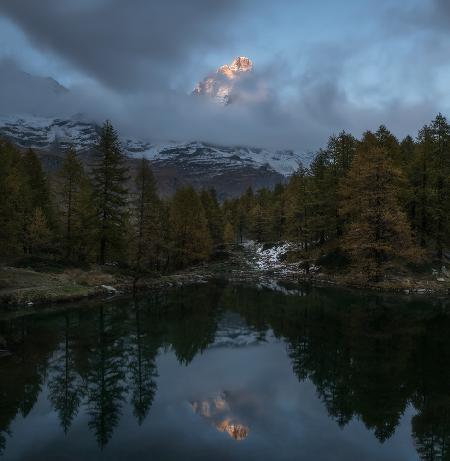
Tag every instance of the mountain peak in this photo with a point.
(220, 85)
(242, 64)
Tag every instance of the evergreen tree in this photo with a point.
(278, 216)
(38, 187)
(298, 208)
(378, 235)
(146, 211)
(229, 235)
(38, 235)
(340, 153)
(440, 132)
(109, 177)
(189, 232)
(322, 200)
(246, 203)
(213, 215)
(70, 186)
(419, 174)
(407, 150)
(14, 206)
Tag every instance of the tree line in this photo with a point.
(375, 204)
(101, 212)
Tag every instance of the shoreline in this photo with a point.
(22, 289)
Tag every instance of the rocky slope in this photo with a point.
(229, 169)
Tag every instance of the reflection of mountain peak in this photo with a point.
(217, 410)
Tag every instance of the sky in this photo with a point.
(326, 65)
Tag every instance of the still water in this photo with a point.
(226, 372)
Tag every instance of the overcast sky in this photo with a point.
(326, 65)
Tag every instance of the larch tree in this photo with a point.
(69, 186)
(213, 215)
(14, 206)
(146, 218)
(109, 179)
(440, 132)
(189, 232)
(38, 186)
(378, 235)
(419, 176)
(298, 226)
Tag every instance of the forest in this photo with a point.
(369, 207)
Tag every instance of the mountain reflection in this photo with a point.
(369, 358)
(218, 411)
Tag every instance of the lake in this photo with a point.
(229, 372)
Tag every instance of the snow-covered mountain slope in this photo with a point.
(230, 169)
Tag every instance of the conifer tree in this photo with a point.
(38, 187)
(213, 215)
(407, 149)
(189, 230)
(298, 209)
(419, 175)
(109, 177)
(229, 235)
(14, 206)
(70, 185)
(146, 211)
(378, 235)
(340, 153)
(86, 231)
(440, 132)
(322, 199)
(246, 203)
(278, 215)
(38, 235)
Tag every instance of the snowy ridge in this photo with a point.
(54, 133)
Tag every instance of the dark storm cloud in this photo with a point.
(388, 67)
(124, 43)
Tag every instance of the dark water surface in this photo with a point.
(222, 372)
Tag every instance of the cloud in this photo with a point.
(124, 44)
(139, 58)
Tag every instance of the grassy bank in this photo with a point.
(27, 286)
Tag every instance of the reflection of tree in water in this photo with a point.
(368, 357)
(431, 426)
(431, 431)
(2, 441)
(22, 374)
(64, 382)
(105, 384)
(191, 321)
(142, 366)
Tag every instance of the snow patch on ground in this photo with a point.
(270, 259)
(265, 259)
